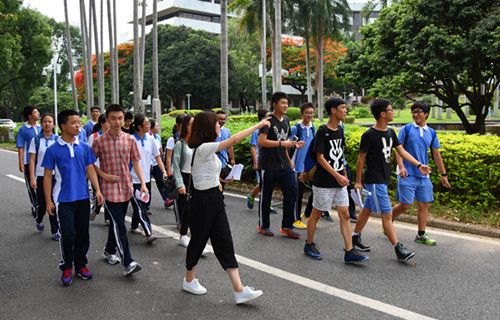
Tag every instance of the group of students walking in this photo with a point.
(119, 164)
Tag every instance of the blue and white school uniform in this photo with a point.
(23, 140)
(71, 196)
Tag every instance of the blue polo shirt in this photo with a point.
(89, 127)
(417, 141)
(69, 161)
(24, 136)
(254, 141)
(82, 136)
(225, 133)
(306, 135)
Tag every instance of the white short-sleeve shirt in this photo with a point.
(148, 150)
(44, 144)
(206, 166)
(158, 144)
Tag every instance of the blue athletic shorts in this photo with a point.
(412, 187)
(378, 201)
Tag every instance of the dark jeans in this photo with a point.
(31, 191)
(42, 207)
(352, 205)
(117, 232)
(97, 207)
(140, 214)
(158, 175)
(208, 220)
(74, 243)
(285, 178)
(181, 215)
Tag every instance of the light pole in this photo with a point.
(55, 68)
(189, 100)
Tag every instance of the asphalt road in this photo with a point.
(457, 279)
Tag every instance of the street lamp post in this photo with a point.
(55, 68)
(189, 100)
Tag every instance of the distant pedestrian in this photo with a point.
(95, 112)
(156, 170)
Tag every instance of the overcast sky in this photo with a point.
(55, 9)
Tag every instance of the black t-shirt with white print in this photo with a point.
(275, 158)
(378, 147)
(330, 143)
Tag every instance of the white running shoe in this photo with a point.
(111, 258)
(246, 295)
(205, 252)
(184, 241)
(132, 268)
(193, 287)
(135, 231)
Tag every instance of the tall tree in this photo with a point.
(137, 60)
(115, 54)
(330, 18)
(277, 47)
(156, 97)
(224, 76)
(100, 61)
(70, 57)
(112, 61)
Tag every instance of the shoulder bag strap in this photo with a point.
(191, 174)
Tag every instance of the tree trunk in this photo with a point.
(87, 65)
(115, 53)
(112, 61)
(263, 45)
(319, 74)
(70, 57)
(100, 70)
(142, 50)
(277, 47)
(310, 90)
(224, 77)
(137, 93)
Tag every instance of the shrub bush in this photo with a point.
(175, 113)
(360, 111)
(4, 134)
(293, 113)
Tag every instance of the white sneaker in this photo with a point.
(111, 258)
(136, 231)
(132, 268)
(246, 295)
(193, 287)
(184, 241)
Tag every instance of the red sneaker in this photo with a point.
(289, 233)
(265, 232)
(84, 273)
(66, 277)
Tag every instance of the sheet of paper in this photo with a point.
(144, 197)
(236, 171)
(356, 197)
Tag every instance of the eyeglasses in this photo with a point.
(417, 112)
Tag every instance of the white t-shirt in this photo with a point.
(44, 144)
(90, 141)
(206, 167)
(158, 145)
(148, 150)
(188, 155)
(170, 143)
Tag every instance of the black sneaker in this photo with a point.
(402, 253)
(312, 252)
(353, 257)
(356, 242)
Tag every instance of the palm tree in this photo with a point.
(223, 56)
(299, 13)
(137, 92)
(156, 97)
(330, 18)
(142, 51)
(100, 67)
(370, 6)
(263, 57)
(112, 61)
(70, 56)
(277, 47)
(87, 63)
(115, 54)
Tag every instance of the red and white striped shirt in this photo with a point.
(115, 154)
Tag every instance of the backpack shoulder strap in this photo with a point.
(298, 130)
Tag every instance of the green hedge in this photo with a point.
(360, 111)
(4, 134)
(175, 113)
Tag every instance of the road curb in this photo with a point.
(479, 230)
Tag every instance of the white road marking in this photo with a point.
(314, 285)
(15, 177)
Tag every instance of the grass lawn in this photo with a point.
(8, 146)
(404, 116)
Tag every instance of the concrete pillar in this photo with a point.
(495, 103)
(448, 113)
(440, 110)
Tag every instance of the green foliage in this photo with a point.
(412, 48)
(43, 98)
(360, 111)
(25, 38)
(471, 162)
(4, 134)
(293, 113)
(243, 118)
(175, 113)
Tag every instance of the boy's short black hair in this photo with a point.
(129, 115)
(333, 103)
(262, 113)
(378, 106)
(421, 105)
(304, 106)
(63, 116)
(277, 96)
(95, 108)
(115, 108)
(27, 111)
